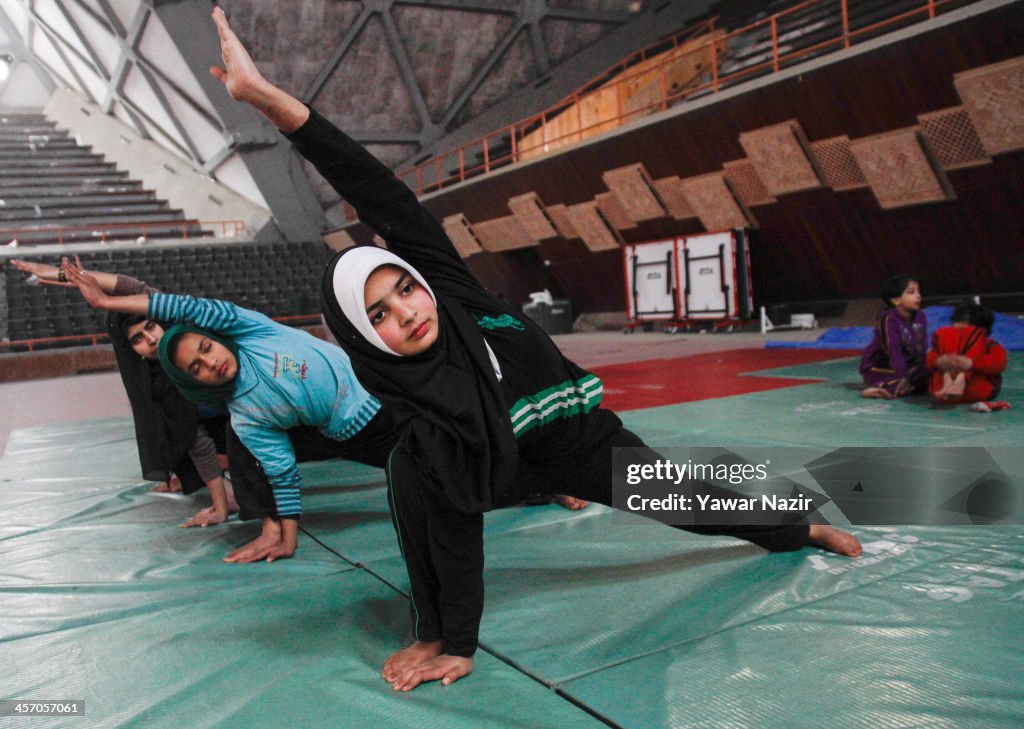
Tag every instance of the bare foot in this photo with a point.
(407, 659)
(168, 487)
(206, 517)
(571, 502)
(876, 392)
(834, 540)
(229, 491)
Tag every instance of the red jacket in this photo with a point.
(985, 378)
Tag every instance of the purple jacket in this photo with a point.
(899, 345)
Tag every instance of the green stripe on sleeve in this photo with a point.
(559, 401)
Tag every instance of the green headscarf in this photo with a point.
(189, 387)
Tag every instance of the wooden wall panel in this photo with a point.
(502, 234)
(812, 244)
(633, 188)
(670, 190)
(461, 234)
(713, 202)
(560, 218)
(898, 169)
(994, 98)
(953, 138)
(838, 167)
(592, 227)
(614, 211)
(529, 211)
(747, 184)
(779, 153)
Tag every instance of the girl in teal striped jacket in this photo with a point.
(273, 379)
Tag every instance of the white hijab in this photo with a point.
(350, 284)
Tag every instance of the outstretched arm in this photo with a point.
(382, 201)
(273, 449)
(52, 274)
(244, 82)
(95, 295)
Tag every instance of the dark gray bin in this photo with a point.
(555, 318)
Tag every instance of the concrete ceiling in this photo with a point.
(405, 77)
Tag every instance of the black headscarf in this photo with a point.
(447, 402)
(165, 422)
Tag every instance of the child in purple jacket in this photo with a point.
(894, 364)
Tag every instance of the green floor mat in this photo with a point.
(104, 598)
(111, 553)
(822, 415)
(935, 646)
(300, 654)
(573, 598)
(832, 413)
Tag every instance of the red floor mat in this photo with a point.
(702, 376)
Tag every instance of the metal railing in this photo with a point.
(105, 232)
(508, 145)
(94, 339)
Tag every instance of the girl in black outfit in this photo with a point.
(488, 410)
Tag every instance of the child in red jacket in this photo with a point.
(966, 364)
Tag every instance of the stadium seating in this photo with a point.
(56, 191)
(278, 279)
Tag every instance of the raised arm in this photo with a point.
(97, 297)
(212, 314)
(382, 201)
(53, 275)
(244, 82)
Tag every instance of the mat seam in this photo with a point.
(481, 646)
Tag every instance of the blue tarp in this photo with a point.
(1008, 331)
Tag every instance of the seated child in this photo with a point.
(967, 364)
(893, 364)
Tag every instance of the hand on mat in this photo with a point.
(903, 387)
(239, 75)
(206, 517)
(259, 549)
(444, 668)
(279, 540)
(87, 285)
(834, 540)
